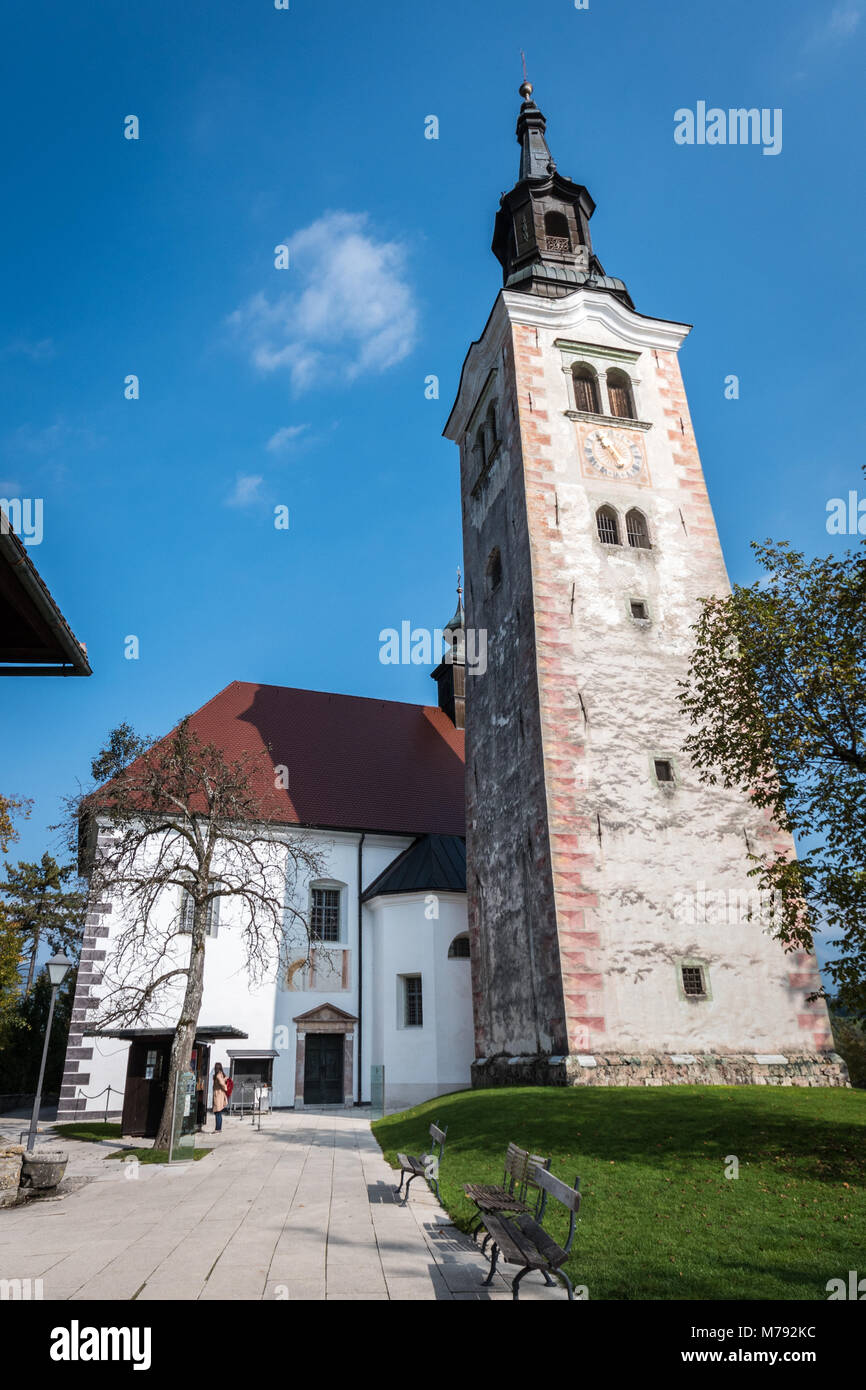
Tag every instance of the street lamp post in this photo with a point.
(58, 968)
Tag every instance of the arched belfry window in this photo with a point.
(556, 231)
(494, 569)
(637, 530)
(459, 948)
(619, 394)
(608, 525)
(585, 388)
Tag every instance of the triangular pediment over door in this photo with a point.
(326, 1017)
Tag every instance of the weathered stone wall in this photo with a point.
(10, 1173)
(647, 1069)
(517, 995)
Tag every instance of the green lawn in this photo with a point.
(95, 1131)
(659, 1220)
(90, 1131)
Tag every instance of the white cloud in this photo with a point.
(844, 19)
(350, 308)
(51, 439)
(285, 437)
(245, 491)
(41, 350)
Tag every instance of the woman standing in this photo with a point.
(220, 1095)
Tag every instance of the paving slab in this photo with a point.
(304, 1210)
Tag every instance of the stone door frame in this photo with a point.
(325, 1018)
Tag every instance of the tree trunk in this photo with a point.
(184, 1033)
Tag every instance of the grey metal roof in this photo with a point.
(433, 863)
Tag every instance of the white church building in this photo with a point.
(376, 789)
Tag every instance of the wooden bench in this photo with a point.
(424, 1165)
(511, 1195)
(522, 1240)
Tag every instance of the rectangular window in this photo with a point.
(188, 912)
(664, 770)
(325, 915)
(639, 611)
(413, 1008)
(693, 981)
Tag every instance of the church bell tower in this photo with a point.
(613, 924)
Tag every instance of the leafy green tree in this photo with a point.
(850, 1039)
(123, 747)
(21, 1052)
(10, 940)
(10, 806)
(43, 909)
(10, 979)
(777, 698)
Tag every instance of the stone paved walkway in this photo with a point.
(303, 1210)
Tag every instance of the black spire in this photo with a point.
(536, 161)
(450, 674)
(542, 236)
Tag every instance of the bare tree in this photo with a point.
(170, 837)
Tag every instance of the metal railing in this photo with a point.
(253, 1099)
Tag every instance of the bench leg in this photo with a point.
(493, 1258)
(561, 1274)
(515, 1287)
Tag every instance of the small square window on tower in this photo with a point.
(693, 982)
(639, 610)
(664, 770)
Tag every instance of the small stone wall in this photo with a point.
(10, 1173)
(662, 1069)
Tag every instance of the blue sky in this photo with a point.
(306, 126)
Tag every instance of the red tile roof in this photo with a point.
(353, 763)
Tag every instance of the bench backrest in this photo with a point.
(561, 1192)
(535, 1162)
(515, 1167)
(437, 1134)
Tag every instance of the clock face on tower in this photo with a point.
(613, 453)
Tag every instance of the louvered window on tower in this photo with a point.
(187, 914)
(619, 394)
(608, 526)
(693, 981)
(637, 530)
(325, 914)
(585, 389)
